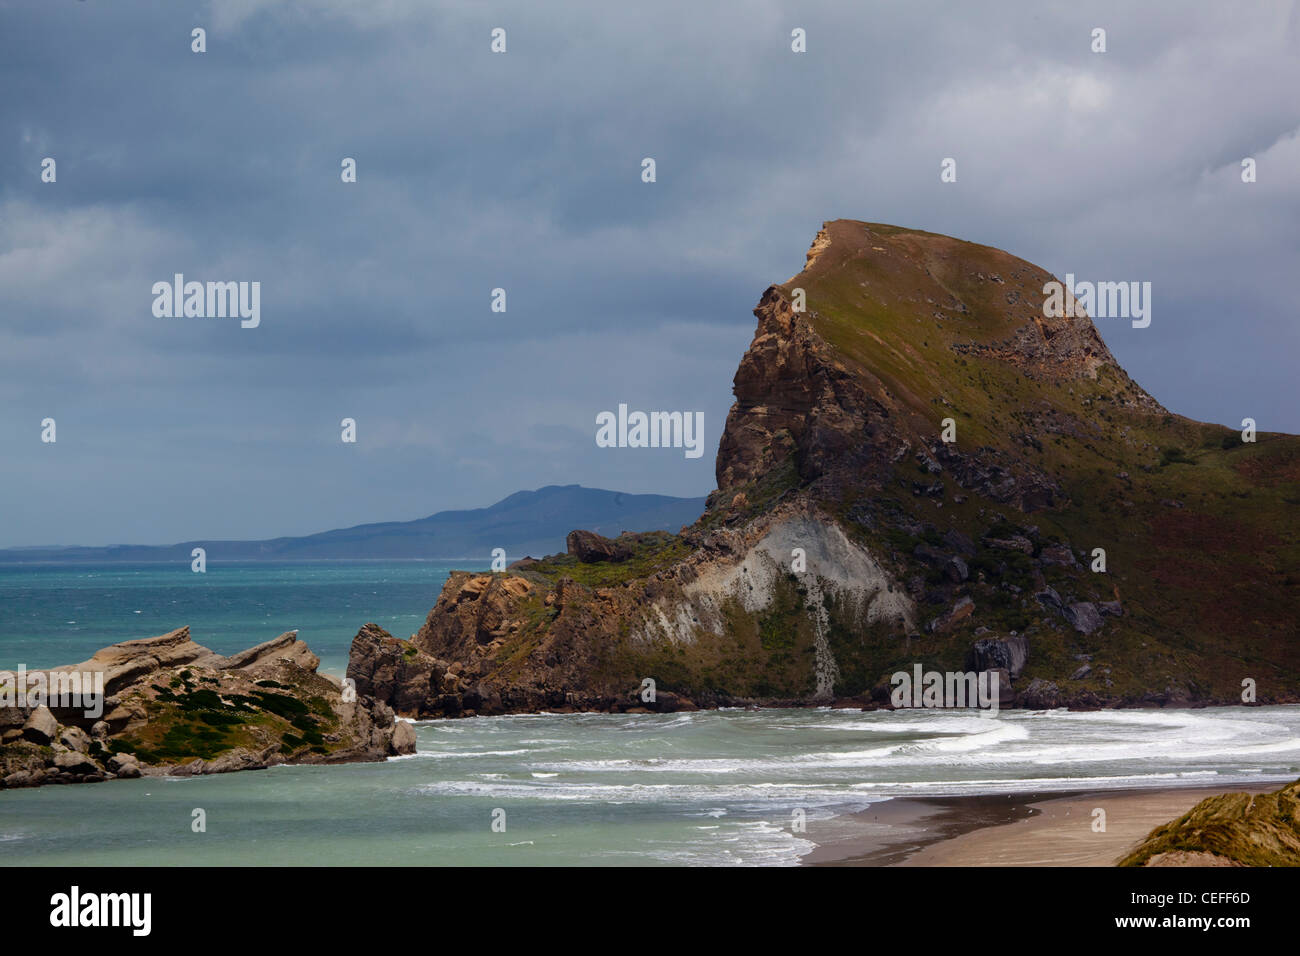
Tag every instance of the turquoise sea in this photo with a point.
(53, 614)
(698, 788)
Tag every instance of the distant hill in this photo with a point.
(526, 523)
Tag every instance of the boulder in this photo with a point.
(589, 547)
(119, 762)
(1050, 599)
(41, 727)
(1007, 653)
(403, 738)
(74, 738)
(1057, 554)
(1040, 695)
(1083, 617)
(72, 762)
(1016, 542)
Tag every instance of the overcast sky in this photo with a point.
(523, 171)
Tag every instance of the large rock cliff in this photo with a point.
(920, 467)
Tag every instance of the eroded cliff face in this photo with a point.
(793, 399)
(919, 467)
(747, 614)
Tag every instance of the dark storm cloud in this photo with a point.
(522, 171)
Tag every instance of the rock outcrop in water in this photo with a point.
(172, 706)
(847, 539)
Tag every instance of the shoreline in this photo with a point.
(1023, 828)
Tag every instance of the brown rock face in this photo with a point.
(394, 671)
(589, 547)
(473, 611)
(792, 398)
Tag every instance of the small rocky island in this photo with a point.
(171, 706)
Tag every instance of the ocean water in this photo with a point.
(712, 787)
(717, 787)
(61, 614)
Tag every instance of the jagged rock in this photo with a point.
(956, 569)
(403, 739)
(130, 662)
(41, 727)
(1059, 555)
(1081, 672)
(1017, 542)
(1050, 599)
(394, 671)
(589, 547)
(1083, 617)
(72, 762)
(283, 649)
(1040, 695)
(1008, 653)
(301, 715)
(74, 738)
(120, 762)
(230, 761)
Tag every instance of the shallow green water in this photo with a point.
(708, 787)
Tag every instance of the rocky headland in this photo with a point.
(171, 706)
(920, 467)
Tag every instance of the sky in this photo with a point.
(522, 170)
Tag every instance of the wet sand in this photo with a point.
(1052, 828)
